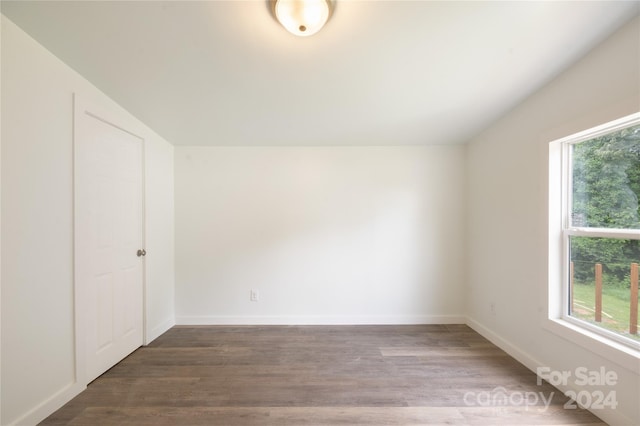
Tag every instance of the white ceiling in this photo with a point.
(379, 73)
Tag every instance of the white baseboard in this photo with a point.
(49, 406)
(57, 400)
(159, 330)
(610, 416)
(319, 320)
(523, 357)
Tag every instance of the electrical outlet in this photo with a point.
(493, 308)
(254, 296)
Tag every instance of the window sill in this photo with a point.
(613, 351)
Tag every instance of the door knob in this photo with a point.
(141, 252)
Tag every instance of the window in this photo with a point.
(599, 217)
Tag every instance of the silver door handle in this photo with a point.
(141, 252)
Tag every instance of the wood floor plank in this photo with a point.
(316, 375)
(318, 416)
(439, 351)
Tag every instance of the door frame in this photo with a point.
(122, 121)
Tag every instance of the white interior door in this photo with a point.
(109, 234)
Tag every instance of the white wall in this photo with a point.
(508, 245)
(159, 237)
(326, 234)
(0, 235)
(37, 227)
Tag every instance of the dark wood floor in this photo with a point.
(318, 375)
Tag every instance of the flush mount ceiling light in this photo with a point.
(302, 17)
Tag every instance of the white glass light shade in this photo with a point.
(302, 17)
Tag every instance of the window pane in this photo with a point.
(608, 261)
(606, 181)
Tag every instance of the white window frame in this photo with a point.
(617, 348)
